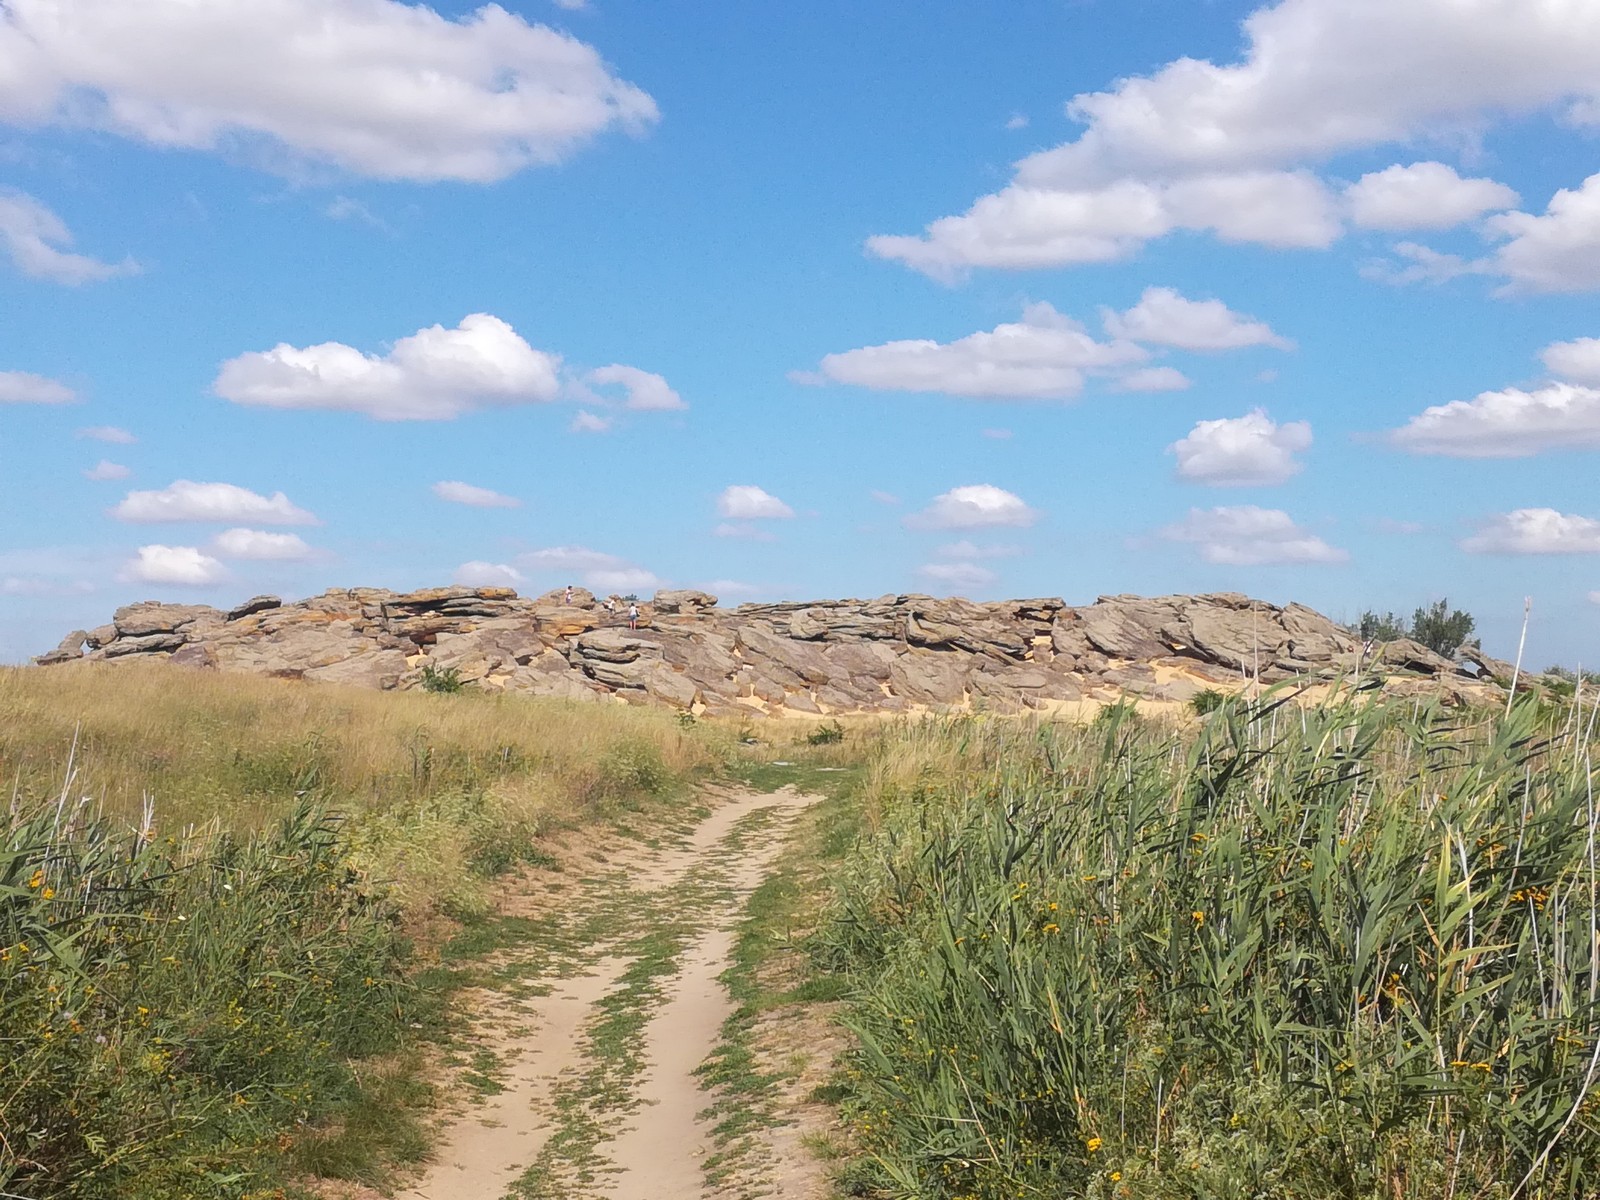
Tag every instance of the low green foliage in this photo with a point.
(1437, 626)
(441, 680)
(826, 735)
(171, 1008)
(1206, 702)
(1342, 953)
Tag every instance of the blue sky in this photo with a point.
(1051, 298)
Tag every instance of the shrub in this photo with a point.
(1440, 628)
(826, 735)
(1207, 701)
(441, 680)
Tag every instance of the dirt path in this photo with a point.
(597, 1066)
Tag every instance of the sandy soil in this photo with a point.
(657, 1153)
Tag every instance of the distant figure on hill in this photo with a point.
(569, 594)
(633, 616)
(611, 606)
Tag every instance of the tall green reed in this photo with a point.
(1342, 951)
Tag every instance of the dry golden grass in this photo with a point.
(433, 784)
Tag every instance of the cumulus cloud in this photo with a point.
(1416, 263)
(1577, 361)
(108, 433)
(39, 242)
(1535, 531)
(456, 492)
(587, 422)
(958, 574)
(1045, 355)
(746, 502)
(487, 574)
(1248, 451)
(18, 387)
(401, 92)
(1247, 536)
(436, 374)
(744, 530)
(975, 506)
(260, 546)
(1164, 317)
(1424, 195)
(105, 469)
(1556, 252)
(182, 566)
(646, 391)
(1225, 148)
(185, 500)
(1507, 424)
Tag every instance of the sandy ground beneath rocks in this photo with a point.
(658, 1152)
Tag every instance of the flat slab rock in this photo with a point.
(890, 654)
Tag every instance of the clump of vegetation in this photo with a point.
(1206, 702)
(830, 734)
(1437, 626)
(1341, 952)
(181, 1015)
(445, 681)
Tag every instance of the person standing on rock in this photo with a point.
(633, 616)
(569, 594)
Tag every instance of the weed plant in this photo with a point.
(1341, 952)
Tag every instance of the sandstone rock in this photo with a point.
(683, 601)
(100, 636)
(153, 643)
(254, 605)
(70, 648)
(373, 669)
(151, 616)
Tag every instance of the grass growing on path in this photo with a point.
(1346, 952)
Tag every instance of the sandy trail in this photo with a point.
(657, 1152)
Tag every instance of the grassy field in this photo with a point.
(210, 892)
(1347, 952)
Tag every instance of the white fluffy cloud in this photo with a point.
(1252, 450)
(1153, 379)
(39, 242)
(1556, 252)
(1535, 531)
(1424, 195)
(623, 579)
(1202, 146)
(108, 433)
(456, 492)
(958, 574)
(1247, 536)
(487, 574)
(1163, 317)
(975, 506)
(258, 545)
(183, 566)
(594, 568)
(584, 421)
(400, 92)
(746, 502)
(646, 391)
(1577, 361)
(436, 374)
(1507, 424)
(1594, 597)
(1045, 355)
(185, 500)
(18, 387)
(105, 470)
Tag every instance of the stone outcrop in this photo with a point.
(891, 654)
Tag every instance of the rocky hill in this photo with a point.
(895, 653)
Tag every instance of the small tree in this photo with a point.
(1440, 628)
(1375, 627)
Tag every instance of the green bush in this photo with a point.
(441, 680)
(826, 735)
(1343, 953)
(1206, 702)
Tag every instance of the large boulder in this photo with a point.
(152, 616)
(683, 601)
